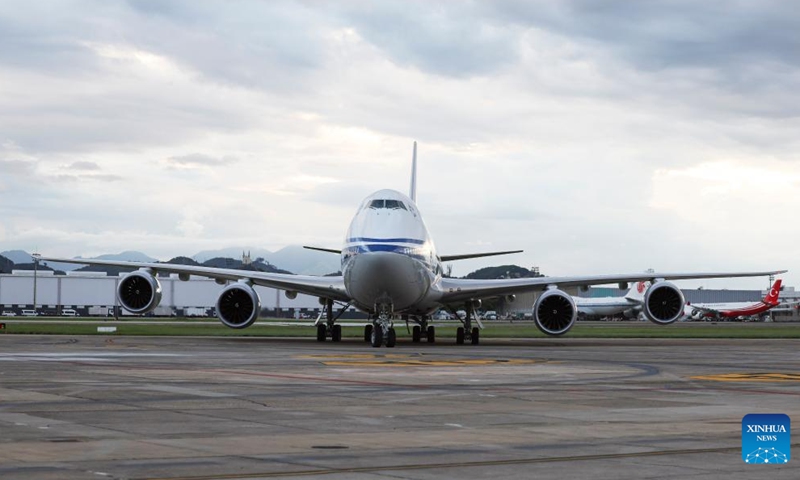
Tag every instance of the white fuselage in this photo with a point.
(389, 258)
(605, 306)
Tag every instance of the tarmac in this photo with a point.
(78, 407)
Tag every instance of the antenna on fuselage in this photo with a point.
(413, 191)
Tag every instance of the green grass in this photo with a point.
(503, 330)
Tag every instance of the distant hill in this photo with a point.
(127, 256)
(182, 261)
(258, 266)
(22, 257)
(17, 256)
(293, 258)
(230, 252)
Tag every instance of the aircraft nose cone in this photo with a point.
(386, 277)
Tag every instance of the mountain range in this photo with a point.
(293, 258)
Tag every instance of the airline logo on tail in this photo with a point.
(774, 293)
(637, 290)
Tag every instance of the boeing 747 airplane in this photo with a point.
(628, 306)
(391, 269)
(700, 311)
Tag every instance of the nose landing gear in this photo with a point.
(382, 332)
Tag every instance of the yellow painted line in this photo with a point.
(431, 363)
(751, 377)
(358, 356)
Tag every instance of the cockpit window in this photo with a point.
(391, 204)
(395, 204)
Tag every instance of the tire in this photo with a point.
(368, 333)
(377, 337)
(416, 334)
(336, 333)
(391, 338)
(476, 335)
(460, 336)
(321, 332)
(431, 334)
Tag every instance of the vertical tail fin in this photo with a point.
(413, 191)
(774, 292)
(637, 291)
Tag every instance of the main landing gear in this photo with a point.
(468, 333)
(423, 330)
(329, 328)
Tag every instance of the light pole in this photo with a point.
(35, 257)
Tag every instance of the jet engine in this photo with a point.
(139, 292)
(238, 306)
(554, 312)
(663, 303)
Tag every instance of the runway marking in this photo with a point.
(751, 377)
(79, 356)
(464, 362)
(429, 466)
(409, 360)
(358, 356)
(317, 379)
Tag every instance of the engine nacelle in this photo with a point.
(139, 292)
(663, 303)
(238, 306)
(554, 312)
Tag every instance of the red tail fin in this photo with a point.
(774, 293)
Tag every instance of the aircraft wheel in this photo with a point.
(391, 338)
(376, 337)
(336, 333)
(460, 336)
(476, 335)
(416, 334)
(431, 334)
(368, 332)
(321, 332)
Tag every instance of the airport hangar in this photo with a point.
(94, 294)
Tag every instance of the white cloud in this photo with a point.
(264, 123)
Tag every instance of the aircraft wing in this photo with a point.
(328, 287)
(459, 289)
(450, 258)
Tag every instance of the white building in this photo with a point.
(83, 291)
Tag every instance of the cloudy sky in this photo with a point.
(599, 136)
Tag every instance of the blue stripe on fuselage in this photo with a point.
(419, 254)
(387, 240)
